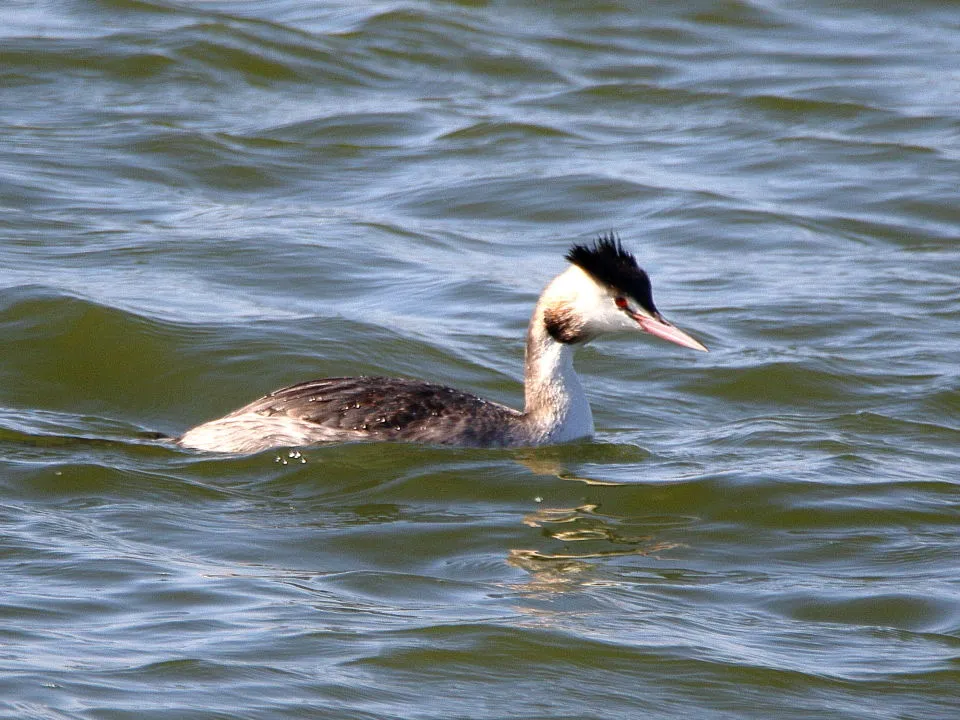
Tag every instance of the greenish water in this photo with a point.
(202, 202)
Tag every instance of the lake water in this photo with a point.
(202, 202)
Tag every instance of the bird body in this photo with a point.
(603, 291)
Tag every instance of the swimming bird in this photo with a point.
(603, 291)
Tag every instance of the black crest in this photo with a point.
(608, 263)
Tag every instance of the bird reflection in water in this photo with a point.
(566, 568)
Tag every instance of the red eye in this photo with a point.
(620, 302)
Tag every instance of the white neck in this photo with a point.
(556, 406)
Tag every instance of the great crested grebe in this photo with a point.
(603, 291)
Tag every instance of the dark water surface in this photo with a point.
(202, 202)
